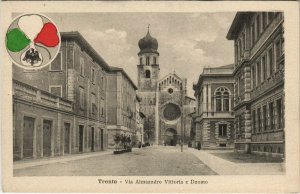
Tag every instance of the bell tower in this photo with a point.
(148, 76)
(148, 66)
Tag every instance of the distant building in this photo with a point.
(164, 100)
(259, 82)
(214, 117)
(121, 105)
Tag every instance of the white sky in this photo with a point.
(186, 41)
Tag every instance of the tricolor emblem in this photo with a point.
(32, 41)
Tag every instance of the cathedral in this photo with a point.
(164, 101)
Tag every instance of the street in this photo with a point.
(149, 161)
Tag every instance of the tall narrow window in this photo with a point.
(222, 130)
(154, 60)
(265, 121)
(93, 104)
(258, 25)
(81, 98)
(259, 120)
(81, 66)
(253, 77)
(258, 73)
(218, 101)
(141, 61)
(271, 61)
(253, 121)
(279, 113)
(148, 74)
(93, 75)
(271, 113)
(225, 101)
(147, 60)
(264, 67)
(265, 19)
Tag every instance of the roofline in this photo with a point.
(118, 69)
(76, 36)
(190, 97)
(239, 17)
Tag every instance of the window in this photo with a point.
(270, 61)
(253, 77)
(148, 74)
(253, 121)
(147, 60)
(154, 60)
(56, 65)
(81, 98)
(265, 123)
(259, 119)
(222, 130)
(271, 113)
(102, 106)
(264, 67)
(81, 66)
(222, 99)
(252, 34)
(279, 113)
(258, 25)
(265, 20)
(170, 90)
(258, 73)
(141, 61)
(93, 75)
(93, 104)
(56, 90)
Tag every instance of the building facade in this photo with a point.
(259, 82)
(164, 100)
(214, 116)
(121, 105)
(61, 109)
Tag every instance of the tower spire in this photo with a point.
(148, 27)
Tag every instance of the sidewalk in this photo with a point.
(225, 167)
(42, 161)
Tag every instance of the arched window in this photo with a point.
(147, 60)
(222, 99)
(148, 74)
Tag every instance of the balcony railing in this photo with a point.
(33, 94)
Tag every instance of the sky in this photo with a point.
(187, 42)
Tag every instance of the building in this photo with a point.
(259, 82)
(164, 100)
(214, 116)
(121, 105)
(61, 109)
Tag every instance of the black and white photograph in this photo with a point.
(146, 97)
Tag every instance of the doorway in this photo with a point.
(28, 129)
(67, 138)
(170, 137)
(80, 138)
(101, 139)
(47, 133)
(93, 140)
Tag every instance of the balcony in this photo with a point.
(29, 93)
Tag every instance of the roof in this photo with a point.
(171, 74)
(76, 36)
(239, 19)
(118, 69)
(225, 70)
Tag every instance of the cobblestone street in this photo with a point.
(149, 161)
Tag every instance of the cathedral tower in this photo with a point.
(148, 76)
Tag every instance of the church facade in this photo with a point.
(164, 101)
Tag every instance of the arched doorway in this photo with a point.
(170, 137)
